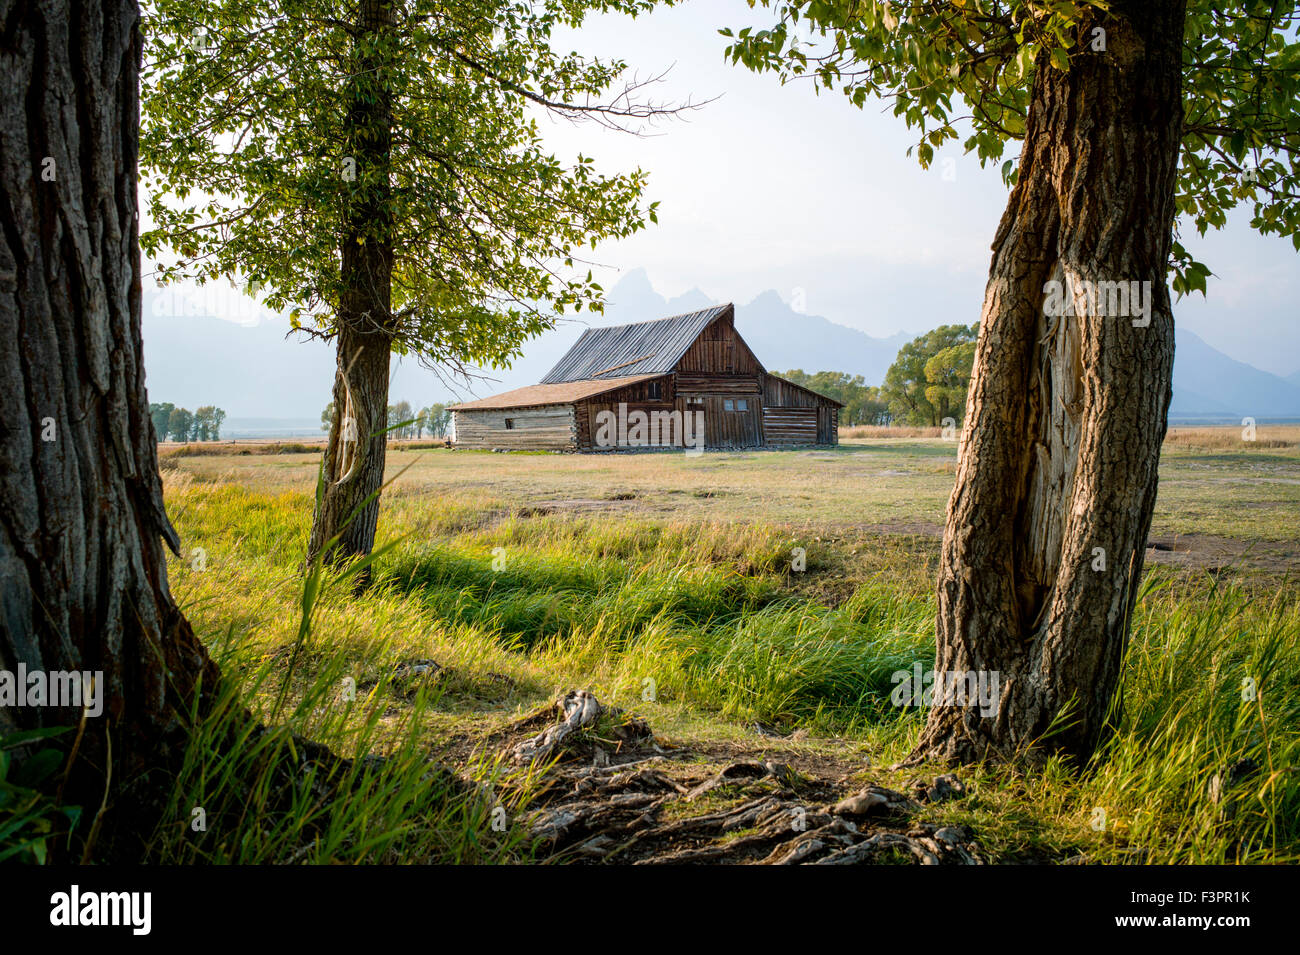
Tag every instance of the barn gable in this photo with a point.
(639, 349)
(693, 366)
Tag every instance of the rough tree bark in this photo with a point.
(83, 576)
(354, 455)
(1057, 471)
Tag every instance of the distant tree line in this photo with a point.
(171, 423)
(925, 385)
(403, 423)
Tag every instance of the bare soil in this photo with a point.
(596, 785)
(1195, 551)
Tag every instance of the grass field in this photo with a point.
(663, 584)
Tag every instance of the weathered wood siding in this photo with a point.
(636, 397)
(720, 351)
(793, 415)
(735, 428)
(699, 383)
(720, 369)
(790, 426)
(548, 428)
(779, 393)
(828, 424)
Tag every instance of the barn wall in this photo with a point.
(548, 428)
(828, 424)
(793, 415)
(790, 426)
(701, 383)
(636, 398)
(779, 393)
(733, 429)
(719, 351)
(719, 368)
(583, 419)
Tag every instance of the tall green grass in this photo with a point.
(262, 792)
(332, 778)
(712, 617)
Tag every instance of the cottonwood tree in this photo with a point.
(83, 576)
(375, 166)
(181, 424)
(947, 377)
(161, 413)
(908, 388)
(207, 422)
(1131, 112)
(437, 419)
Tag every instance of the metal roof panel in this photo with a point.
(643, 348)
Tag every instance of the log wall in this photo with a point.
(548, 428)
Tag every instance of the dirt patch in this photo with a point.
(609, 791)
(579, 504)
(407, 678)
(1218, 554)
(1189, 551)
(537, 510)
(911, 529)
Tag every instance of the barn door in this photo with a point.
(732, 421)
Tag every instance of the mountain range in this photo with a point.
(266, 381)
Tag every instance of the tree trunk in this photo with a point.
(348, 508)
(347, 512)
(83, 576)
(1057, 471)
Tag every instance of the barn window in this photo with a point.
(695, 400)
(654, 390)
(510, 424)
(728, 404)
(742, 404)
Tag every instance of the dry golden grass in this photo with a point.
(676, 568)
(200, 449)
(237, 445)
(208, 449)
(1197, 437)
(1248, 492)
(1232, 437)
(891, 431)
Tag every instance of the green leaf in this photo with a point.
(22, 737)
(38, 767)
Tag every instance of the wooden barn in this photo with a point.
(689, 381)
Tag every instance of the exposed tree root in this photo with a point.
(612, 794)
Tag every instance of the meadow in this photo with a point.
(751, 609)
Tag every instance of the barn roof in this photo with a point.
(559, 393)
(644, 348)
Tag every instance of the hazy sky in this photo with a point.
(772, 187)
(776, 187)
